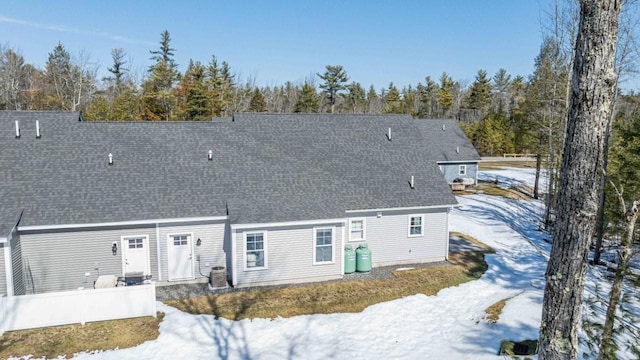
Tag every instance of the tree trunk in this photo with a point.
(536, 194)
(591, 95)
(607, 345)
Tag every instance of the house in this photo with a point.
(273, 198)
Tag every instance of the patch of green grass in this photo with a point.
(337, 297)
(64, 341)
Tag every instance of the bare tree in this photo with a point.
(593, 79)
(625, 252)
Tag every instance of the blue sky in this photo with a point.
(271, 42)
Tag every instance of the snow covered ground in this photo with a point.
(450, 325)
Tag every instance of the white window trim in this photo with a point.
(125, 239)
(364, 229)
(333, 245)
(244, 252)
(170, 251)
(421, 216)
(462, 169)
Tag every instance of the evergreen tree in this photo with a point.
(308, 101)
(335, 80)
(118, 71)
(221, 86)
(445, 93)
(501, 84)
(160, 102)
(373, 101)
(392, 100)
(257, 102)
(197, 102)
(427, 98)
(355, 100)
(480, 92)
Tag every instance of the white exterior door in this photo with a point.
(135, 255)
(180, 256)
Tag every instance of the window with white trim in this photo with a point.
(416, 225)
(180, 240)
(323, 246)
(135, 243)
(462, 170)
(356, 229)
(255, 253)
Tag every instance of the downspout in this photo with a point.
(158, 252)
(234, 259)
(344, 225)
(8, 265)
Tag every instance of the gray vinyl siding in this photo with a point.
(16, 266)
(58, 261)
(3, 272)
(211, 250)
(289, 256)
(388, 237)
(451, 171)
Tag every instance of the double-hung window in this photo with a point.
(356, 230)
(416, 225)
(462, 170)
(256, 250)
(323, 246)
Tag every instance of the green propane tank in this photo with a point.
(349, 260)
(363, 258)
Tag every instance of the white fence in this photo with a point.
(79, 306)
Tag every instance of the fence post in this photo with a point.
(83, 306)
(153, 299)
(2, 314)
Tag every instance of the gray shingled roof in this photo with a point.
(265, 168)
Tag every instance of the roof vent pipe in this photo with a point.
(17, 129)
(210, 155)
(37, 129)
(110, 159)
(389, 134)
(457, 149)
(411, 183)
(444, 127)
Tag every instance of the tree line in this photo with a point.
(501, 113)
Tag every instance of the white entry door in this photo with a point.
(135, 255)
(180, 256)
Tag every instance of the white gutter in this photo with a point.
(120, 223)
(287, 223)
(403, 208)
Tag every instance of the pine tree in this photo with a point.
(355, 100)
(160, 102)
(197, 102)
(480, 92)
(335, 80)
(257, 102)
(392, 100)
(373, 101)
(427, 98)
(445, 93)
(308, 101)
